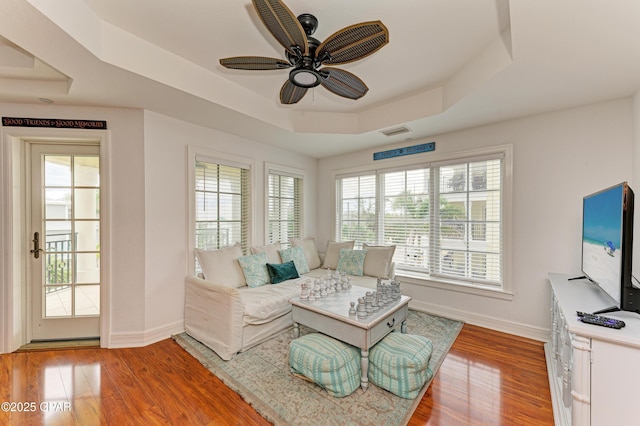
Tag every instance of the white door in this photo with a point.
(65, 241)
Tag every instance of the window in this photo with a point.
(221, 205)
(357, 198)
(445, 218)
(284, 206)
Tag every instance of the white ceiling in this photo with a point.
(448, 65)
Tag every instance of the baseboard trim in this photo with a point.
(148, 337)
(510, 327)
(145, 338)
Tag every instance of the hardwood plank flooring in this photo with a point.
(488, 378)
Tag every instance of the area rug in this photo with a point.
(262, 377)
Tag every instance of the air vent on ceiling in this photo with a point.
(395, 131)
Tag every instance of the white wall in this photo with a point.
(126, 187)
(558, 158)
(166, 224)
(147, 159)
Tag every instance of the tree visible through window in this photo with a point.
(445, 220)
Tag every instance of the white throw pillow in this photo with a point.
(333, 253)
(377, 262)
(310, 251)
(221, 266)
(272, 251)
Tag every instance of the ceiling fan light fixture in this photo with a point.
(304, 77)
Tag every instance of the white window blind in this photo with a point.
(467, 231)
(284, 207)
(445, 220)
(356, 205)
(221, 206)
(406, 216)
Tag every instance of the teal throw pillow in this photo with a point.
(282, 271)
(254, 268)
(351, 261)
(297, 255)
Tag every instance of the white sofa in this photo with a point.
(229, 316)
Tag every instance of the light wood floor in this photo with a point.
(488, 378)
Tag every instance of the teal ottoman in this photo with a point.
(328, 362)
(398, 363)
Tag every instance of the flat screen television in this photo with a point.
(607, 245)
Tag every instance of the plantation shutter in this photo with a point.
(467, 240)
(284, 207)
(222, 205)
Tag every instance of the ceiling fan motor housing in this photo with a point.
(305, 74)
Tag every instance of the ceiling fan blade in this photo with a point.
(254, 63)
(282, 24)
(290, 93)
(353, 43)
(343, 83)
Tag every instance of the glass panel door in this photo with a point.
(66, 241)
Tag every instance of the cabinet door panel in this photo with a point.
(615, 375)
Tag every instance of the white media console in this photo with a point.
(594, 372)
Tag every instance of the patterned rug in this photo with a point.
(262, 377)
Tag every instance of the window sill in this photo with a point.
(451, 285)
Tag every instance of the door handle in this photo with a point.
(36, 245)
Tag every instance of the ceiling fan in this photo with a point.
(306, 55)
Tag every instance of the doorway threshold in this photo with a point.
(49, 345)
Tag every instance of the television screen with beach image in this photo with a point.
(602, 238)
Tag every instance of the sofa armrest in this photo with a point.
(213, 315)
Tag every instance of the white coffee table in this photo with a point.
(330, 315)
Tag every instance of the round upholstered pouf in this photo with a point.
(399, 364)
(328, 362)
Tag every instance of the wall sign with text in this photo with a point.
(398, 152)
(54, 123)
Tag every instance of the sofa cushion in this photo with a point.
(351, 261)
(377, 263)
(263, 304)
(279, 272)
(272, 251)
(333, 253)
(297, 255)
(221, 266)
(310, 251)
(254, 268)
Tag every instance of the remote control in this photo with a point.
(600, 320)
